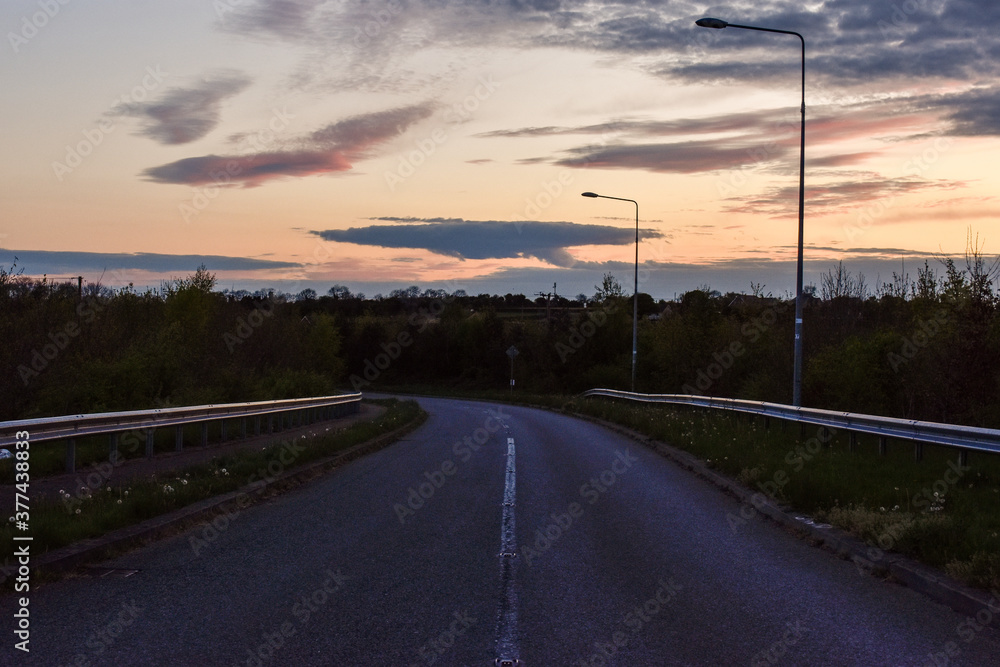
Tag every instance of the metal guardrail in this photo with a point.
(951, 435)
(71, 427)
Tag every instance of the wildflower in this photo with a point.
(77, 511)
(119, 501)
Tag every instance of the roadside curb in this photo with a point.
(80, 553)
(981, 606)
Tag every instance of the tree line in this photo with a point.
(922, 348)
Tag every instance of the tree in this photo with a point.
(200, 281)
(609, 288)
(927, 285)
(840, 283)
(339, 292)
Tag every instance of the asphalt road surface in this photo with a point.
(493, 533)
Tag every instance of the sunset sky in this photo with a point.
(445, 143)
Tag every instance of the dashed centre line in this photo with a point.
(507, 617)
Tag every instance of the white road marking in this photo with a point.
(507, 621)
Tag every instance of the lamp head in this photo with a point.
(718, 24)
(590, 194)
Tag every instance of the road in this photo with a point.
(404, 558)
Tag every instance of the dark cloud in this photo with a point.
(851, 46)
(359, 25)
(54, 262)
(183, 115)
(686, 157)
(865, 252)
(248, 170)
(973, 113)
(840, 160)
(658, 128)
(472, 239)
(331, 149)
(285, 19)
(762, 138)
(836, 197)
(357, 133)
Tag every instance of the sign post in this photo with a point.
(512, 352)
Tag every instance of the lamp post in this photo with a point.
(797, 373)
(635, 288)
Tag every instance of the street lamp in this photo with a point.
(635, 289)
(797, 374)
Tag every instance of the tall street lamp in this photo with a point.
(797, 376)
(635, 289)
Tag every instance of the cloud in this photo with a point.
(60, 261)
(248, 170)
(472, 239)
(850, 44)
(284, 19)
(762, 138)
(974, 112)
(681, 157)
(331, 149)
(737, 122)
(866, 252)
(360, 24)
(836, 197)
(841, 160)
(183, 115)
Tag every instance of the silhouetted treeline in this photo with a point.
(69, 351)
(925, 348)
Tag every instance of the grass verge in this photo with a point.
(933, 510)
(57, 524)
